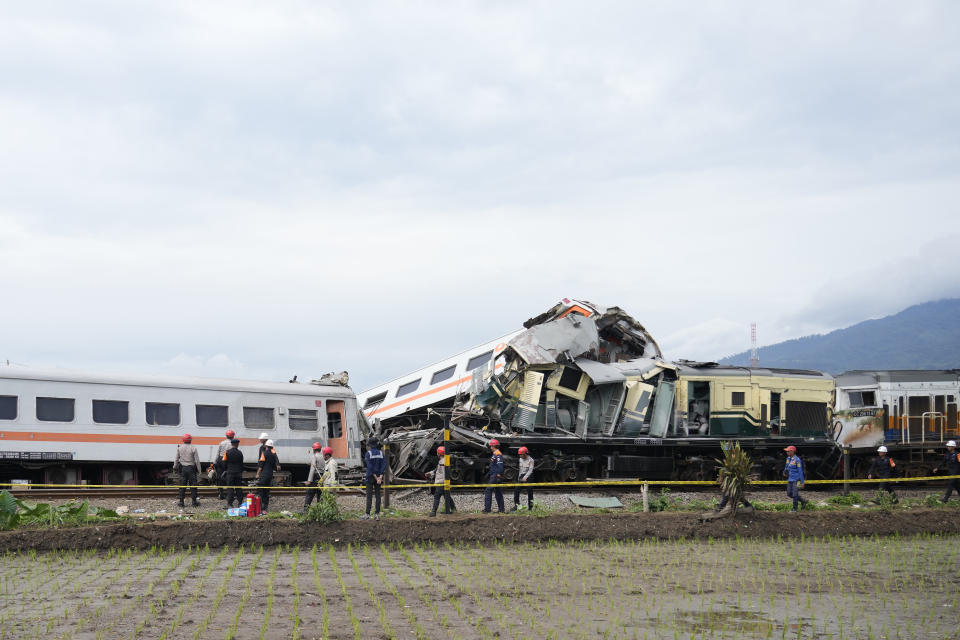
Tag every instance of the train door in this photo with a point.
(336, 429)
(775, 413)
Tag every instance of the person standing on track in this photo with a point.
(188, 461)
(316, 471)
(263, 443)
(950, 462)
(376, 468)
(218, 466)
(268, 464)
(793, 470)
(329, 478)
(883, 467)
(524, 475)
(232, 464)
(494, 475)
(439, 475)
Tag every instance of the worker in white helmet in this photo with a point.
(951, 462)
(883, 467)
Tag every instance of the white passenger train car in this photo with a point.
(442, 381)
(65, 427)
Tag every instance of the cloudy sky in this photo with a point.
(263, 189)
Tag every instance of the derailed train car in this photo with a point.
(585, 388)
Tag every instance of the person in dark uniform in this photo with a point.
(883, 467)
(376, 468)
(494, 476)
(951, 463)
(267, 465)
(217, 465)
(232, 465)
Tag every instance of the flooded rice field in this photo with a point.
(828, 587)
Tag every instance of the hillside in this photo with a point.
(924, 336)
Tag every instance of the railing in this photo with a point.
(927, 418)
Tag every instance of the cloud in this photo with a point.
(310, 188)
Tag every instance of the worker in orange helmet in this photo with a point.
(494, 476)
(439, 475)
(187, 464)
(524, 476)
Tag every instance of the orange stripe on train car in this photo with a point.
(112, 438)
(424, 394)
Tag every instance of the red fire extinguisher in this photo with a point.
(253, 505)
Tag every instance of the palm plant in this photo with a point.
(734, 469)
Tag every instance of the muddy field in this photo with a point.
(482, 529)
(841, 587)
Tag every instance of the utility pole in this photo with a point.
(754, 354)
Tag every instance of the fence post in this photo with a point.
(644, 492)
(846, 469)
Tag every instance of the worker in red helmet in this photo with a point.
(217, 468)
(439, 489)
(232, 463)
(315, 475)
(794, 473)
(524, 475)
(187, 463)
(494, 477)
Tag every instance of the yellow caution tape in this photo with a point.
(595, 483)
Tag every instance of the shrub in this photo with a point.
(848, 500)
(326, 511)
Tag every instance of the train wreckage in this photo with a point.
(587, 390)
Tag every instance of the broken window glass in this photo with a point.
(8, 407)
(258, 417)
(55, 409)
(304, 419)
(111, 412)
(165, 414)
(211, 415)
(443, 374)
(373, 401)
(478, 361)
(409, 387)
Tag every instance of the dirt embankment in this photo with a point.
(474, 528)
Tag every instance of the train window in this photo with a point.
(478, 361)
(55, 409)
(334, 425)
(8, 407)
(862, 398)
(304, 419)
(408, 387)
(212, 415)
(165, 414)
(443, 374)
(373, 401)
(738, 398)
(111, 412)
(258, 417)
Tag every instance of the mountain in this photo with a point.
(924, 336)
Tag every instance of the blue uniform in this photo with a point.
(494, 473)
(376, 463)
(795, 477)
(794, 469)
(376, 466)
